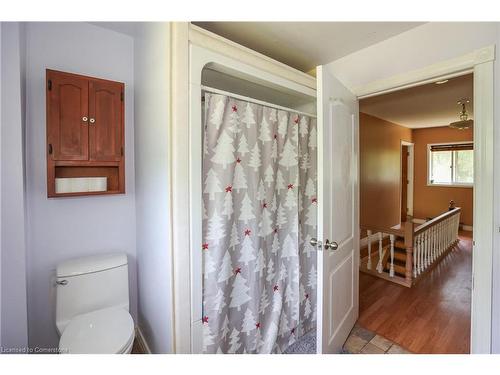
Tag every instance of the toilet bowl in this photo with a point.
(106, 331)
(92, 305)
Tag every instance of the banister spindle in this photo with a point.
(409, 246)
(419, 254)
(426, 249)
(391, 269)
(379, 264)
(369, 263)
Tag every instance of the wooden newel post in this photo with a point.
(409, 240)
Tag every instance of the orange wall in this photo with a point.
(380, 170)
(430, 201)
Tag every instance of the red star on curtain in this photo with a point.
(248, 232)
(204, 246)
(314, 200)
(205, 319)
(264, 205)
(234, 108)
(229, 189)
(275, 230)
(275, 288)
(257, 325)
(293, 331)
(238, 160)
(307, 295)
(296, 120)
(290, 186)
(237, 270)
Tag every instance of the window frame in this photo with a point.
(429, 166)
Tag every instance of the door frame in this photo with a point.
(410, 172)
(481, 63)
(185, 131)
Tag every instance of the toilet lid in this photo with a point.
(103, 331)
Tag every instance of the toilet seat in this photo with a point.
(105, 331)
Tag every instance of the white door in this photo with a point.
(338, 212)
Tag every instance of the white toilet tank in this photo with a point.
(90, 283)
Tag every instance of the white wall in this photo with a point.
(13, 242)
(152, 85)
(419, 47)
(63, 228)
(1, 23)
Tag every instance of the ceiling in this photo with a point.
(128, 28)
(305, 45)
(423, 106)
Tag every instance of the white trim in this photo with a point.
(432, 73)
(142, 340)
(180, 151)
(216, 43)
(192, 50)
(253, 100)
(481, 62)
(482, 253)
(411, 176)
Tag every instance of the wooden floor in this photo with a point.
(431, 317)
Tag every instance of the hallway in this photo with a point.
(431, 317)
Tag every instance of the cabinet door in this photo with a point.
(67, 110)
(106, 123)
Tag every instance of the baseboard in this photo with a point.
(141, 341)
(364, 241)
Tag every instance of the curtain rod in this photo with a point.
(252, 100)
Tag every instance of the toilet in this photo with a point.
(92, 305)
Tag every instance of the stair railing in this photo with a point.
(424, 246)
(434, 238)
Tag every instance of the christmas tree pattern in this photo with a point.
(239, 179)
(239, 293)
(259, 215)
(248, 116)
(212, 184)
(247, 250)
(234, 119)
(224, 151)
(246, 210)
(255, 160)
(264, 135)
(288, 157)
(218, 112)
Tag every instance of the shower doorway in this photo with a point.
(337, 174)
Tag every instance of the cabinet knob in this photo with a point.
(92, 120)
(84, 118)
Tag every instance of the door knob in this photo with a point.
(331, 245)
(315, 243)
(84, 118)
(92, 120)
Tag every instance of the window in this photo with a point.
(451, 164)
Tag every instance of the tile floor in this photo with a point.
(363, 341)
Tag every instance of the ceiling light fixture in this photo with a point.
(441, 82)
(464, 122)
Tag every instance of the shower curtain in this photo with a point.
(259, 214)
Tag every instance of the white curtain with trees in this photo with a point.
(259, 214)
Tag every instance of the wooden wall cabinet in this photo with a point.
(85, 131)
